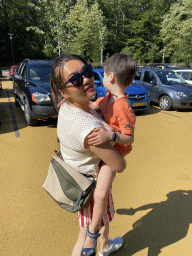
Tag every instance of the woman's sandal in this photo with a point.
(90, 251)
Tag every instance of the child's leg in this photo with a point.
(104, 181)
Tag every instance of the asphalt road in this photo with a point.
(157, 182)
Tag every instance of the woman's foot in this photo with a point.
(90, 244)
(114, 245)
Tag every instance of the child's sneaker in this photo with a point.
(115, 244)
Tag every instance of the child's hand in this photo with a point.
(98, 136)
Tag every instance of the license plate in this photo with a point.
(139, 104)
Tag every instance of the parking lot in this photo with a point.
(157, 183)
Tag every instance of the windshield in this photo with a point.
(185, 74)
(169, 77)
(102, 73)
(40, 72)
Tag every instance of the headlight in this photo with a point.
(181, 94)
(148, 94)
(40, 97)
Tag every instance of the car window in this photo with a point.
(138, 75)
(170, 77)
(149, 77)
(184, 75)
(163, 77)
(24, 71)
(41, 72)
(20, 68)
(96, 76)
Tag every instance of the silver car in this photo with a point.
(166, 88)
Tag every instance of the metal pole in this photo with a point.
(10, 35)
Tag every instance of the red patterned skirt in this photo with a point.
(85, 215)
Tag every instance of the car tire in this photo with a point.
(165, 103)
(29, 120)
(16, 102)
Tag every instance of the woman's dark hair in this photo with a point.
(123, 66)
(57, 78)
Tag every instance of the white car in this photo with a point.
(186, 74)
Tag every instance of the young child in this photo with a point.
(119, 73)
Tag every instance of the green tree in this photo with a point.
(176, 32)
(114, 12)
(142, 26)
(15, 17)
(51, 24)
(86, 31)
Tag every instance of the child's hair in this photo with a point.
(123, 67)
(57, 82)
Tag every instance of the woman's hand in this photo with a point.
(99, 136)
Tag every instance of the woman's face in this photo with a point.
(77, 95)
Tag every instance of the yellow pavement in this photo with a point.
(157, 184)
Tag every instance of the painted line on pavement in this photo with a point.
(170, 114)
(17, 134)
(166, 112)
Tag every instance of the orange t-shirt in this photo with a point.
(120, 117)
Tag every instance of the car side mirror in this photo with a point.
(153, 81)
(18, 77)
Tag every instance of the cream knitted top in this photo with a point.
(73, 126)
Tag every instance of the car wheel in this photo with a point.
(28, 118)
(16, 102)
(165, 103)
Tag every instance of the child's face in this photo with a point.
(106, 82)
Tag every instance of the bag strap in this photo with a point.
(58, 153)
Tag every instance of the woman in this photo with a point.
(72, 80)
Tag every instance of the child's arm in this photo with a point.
(124, 139)
(100, 136)
(94, 105)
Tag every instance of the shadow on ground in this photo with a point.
(51, 123)
(150, 111)
(167, 223)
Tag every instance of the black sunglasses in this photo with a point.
(77, 79)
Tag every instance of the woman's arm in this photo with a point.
(109, 155)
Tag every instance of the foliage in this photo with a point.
(51, 17)
(142, 24)
(177, 32)
(143, 29)
(15, 17)
(86, 32)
